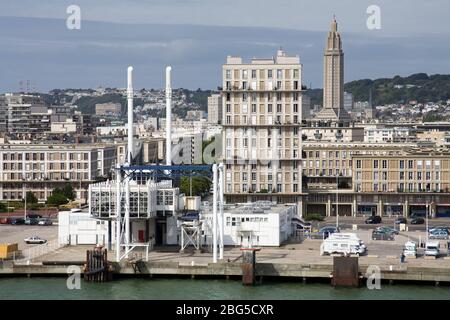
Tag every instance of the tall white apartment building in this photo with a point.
(262, 102)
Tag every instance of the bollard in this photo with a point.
(249, 265)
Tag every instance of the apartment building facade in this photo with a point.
(40, 168)
(261, 130)
(375, 178)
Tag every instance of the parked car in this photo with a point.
(300, 224)
(432, 249)
(401, 220)
(373, 220)
(381, 235)
(387, 230)
(17, 221)
(31, 221)
(438, 228)
(418, 220)
(443, 235)
(324, 232)
(34, 216)
(45, 222)
(5, 220)
(35, 240)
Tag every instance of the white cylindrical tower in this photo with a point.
(168, 117)
(130, 114)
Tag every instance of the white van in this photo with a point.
(410, 249)
(348, 236)
(432, 249)
(344, 244)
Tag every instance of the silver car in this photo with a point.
(442, 235)
(35, 240)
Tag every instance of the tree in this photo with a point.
(200, 185)
(31, 198)
(57, 199)
(68, 192)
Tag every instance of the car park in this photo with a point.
(373, 220)
(381, 235)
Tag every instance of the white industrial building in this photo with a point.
(253, 224)
(77, 227)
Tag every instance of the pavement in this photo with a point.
(381, 253)
(294, 252)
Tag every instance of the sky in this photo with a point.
(195, 36)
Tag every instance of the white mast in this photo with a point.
(130, 113)
(168, 117)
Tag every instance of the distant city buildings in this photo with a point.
(195, 115)
(108, 109)
(348, 101)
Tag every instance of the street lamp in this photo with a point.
(426, 218)
(337, 199)
(25, 205)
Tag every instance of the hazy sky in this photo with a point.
(195, 36)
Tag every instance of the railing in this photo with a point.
(38, 250)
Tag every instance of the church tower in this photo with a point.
(333, 78)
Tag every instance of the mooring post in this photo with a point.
(345, 272)
(249, 265)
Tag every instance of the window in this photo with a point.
(419, 164)
(375, 164)
(384, 164)
(402, 164)
(279, 73)
(253, 74)
(269, 74)
(358, 164)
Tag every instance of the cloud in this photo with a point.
(45, 52)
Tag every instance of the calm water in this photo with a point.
(153, 289)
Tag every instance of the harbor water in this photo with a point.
(199, 289)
